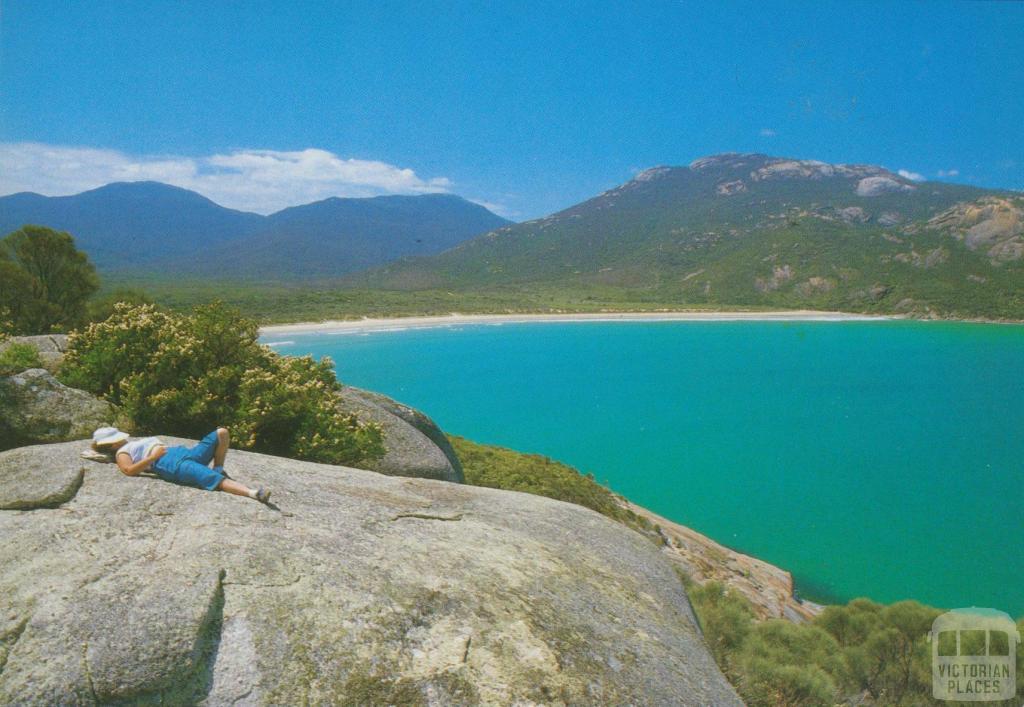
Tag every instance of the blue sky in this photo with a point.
(530, 107)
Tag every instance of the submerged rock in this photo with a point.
(36, 407)
(360, 588)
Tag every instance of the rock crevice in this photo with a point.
(428, 516)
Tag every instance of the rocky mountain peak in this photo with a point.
(652, 173)
(763, 167)
(728, 160)
(739, 170)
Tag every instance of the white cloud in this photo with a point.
(948, 172)
(912, 176)
(767, 132)
(252, 180)
(499, 208)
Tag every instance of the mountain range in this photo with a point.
(757, 231)
(744, 230)
(149, 227)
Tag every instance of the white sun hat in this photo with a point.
(108, 435)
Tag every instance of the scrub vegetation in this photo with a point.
(184, 374)
(284, 302)
(500, 468)
(858, 653)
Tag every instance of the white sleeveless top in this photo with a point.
(140, 448)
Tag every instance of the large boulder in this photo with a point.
(414, 445)
(36, 407)
(357, 588)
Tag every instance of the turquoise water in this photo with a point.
(879, 459)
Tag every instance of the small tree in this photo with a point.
(15, 295)
(45, 280)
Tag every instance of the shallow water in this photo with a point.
(880, 459)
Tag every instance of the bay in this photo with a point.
(879, 459)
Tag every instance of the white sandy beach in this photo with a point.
(456, 319)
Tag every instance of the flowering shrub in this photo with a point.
(186, 374)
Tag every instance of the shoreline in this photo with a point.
(456, 319)
(770, 589)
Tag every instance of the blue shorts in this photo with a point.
(188, 466)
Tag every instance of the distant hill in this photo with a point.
(149, 227)
(755, 230)
(336, 236)
(139, 221)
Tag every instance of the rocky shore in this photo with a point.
(768, 588)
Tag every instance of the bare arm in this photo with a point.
(124, 462)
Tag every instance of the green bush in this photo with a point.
(884, 647)
(782, 663)
(770, 663)
(500, 468)
(186, 374)
(17, 358)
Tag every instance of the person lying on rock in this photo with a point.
(188, 466)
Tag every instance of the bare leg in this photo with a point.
(223, 443)
(229, 486)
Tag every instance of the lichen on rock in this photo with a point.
(357, 588)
